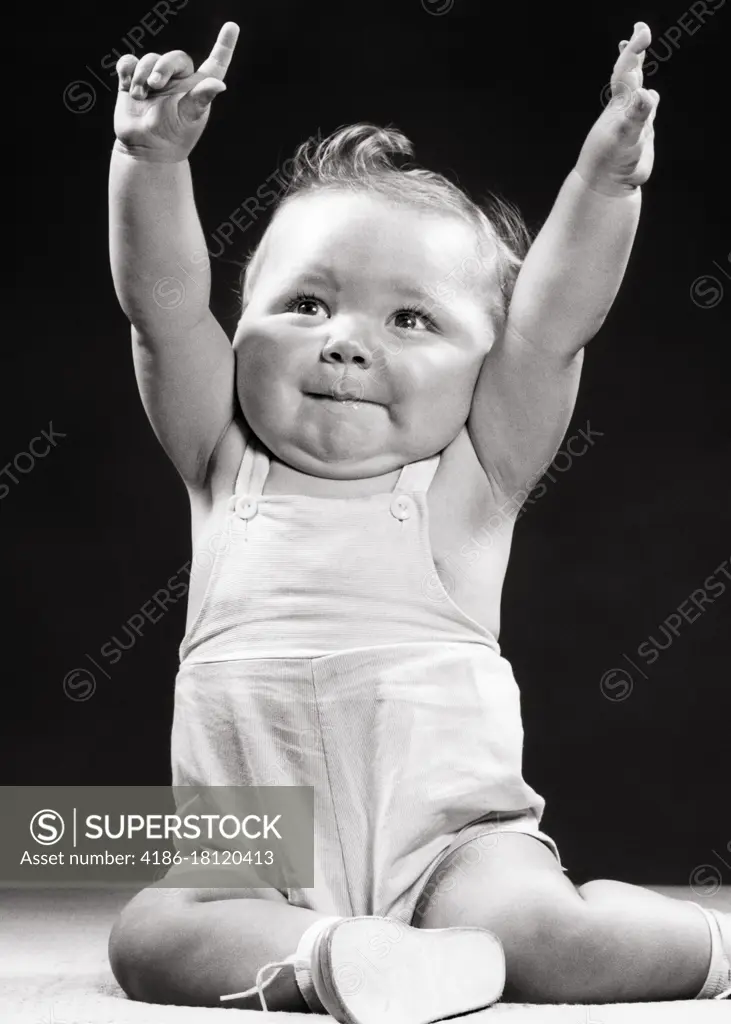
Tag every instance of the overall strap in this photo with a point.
(417, 476)
(253, 470)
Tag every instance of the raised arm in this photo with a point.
(526, 391)
(183, 359)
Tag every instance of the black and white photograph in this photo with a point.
(365, 451)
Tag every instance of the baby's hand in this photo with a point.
(163, 103)
(618, 153)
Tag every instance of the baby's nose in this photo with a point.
(347, 350)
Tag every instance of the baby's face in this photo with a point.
(347, 364)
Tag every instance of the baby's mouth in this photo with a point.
(344, 400)
(345, 390)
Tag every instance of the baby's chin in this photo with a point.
(348, 442)
(342, 443)
(347, 438)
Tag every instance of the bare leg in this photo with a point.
(188, 947)
(658, 947)
(603, 942)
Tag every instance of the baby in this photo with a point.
(402, 368)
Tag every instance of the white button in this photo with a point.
(246, 508)
(401, 507)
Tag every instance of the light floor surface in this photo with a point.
(54, 970)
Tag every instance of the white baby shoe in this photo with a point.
(377, 970)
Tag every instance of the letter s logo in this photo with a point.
(47, 827)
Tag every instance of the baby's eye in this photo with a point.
(413, 314)
(300, 303)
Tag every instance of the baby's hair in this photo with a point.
(364, 157)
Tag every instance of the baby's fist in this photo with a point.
(163, 103)
(618, 153)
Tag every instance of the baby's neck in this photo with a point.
(282, 479)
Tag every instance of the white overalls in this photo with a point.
(327, 654)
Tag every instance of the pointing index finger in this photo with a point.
(216, 63)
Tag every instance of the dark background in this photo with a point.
(499, 97)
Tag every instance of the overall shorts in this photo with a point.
(327, 653)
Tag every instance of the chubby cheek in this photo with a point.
(439, 416)
(440, 399)
(260, 358)
(263, 395)
(268, 371)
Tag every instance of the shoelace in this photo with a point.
(259, 984)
